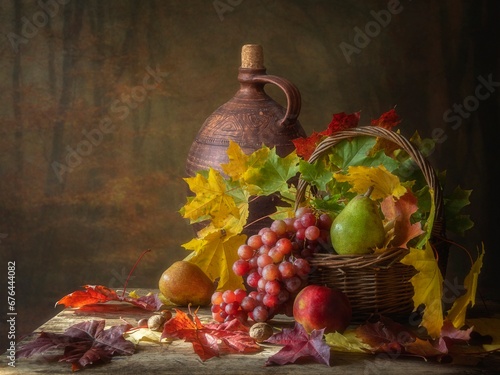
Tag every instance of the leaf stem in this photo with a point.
(132, 270)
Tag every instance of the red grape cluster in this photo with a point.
(274, 264)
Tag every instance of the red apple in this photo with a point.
(317, 307)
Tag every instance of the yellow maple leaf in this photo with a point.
(457, 312)
(428, 287)
(238, 160)
(347, 342)
(215, 250)
(361, 178)
(211, 198)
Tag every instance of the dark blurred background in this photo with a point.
(102, 99)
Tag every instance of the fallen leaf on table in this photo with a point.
(84, 344)
(346, 342)
(210, 340)
(94, 294)
(385, 335)
(298, 344)
(137, 335)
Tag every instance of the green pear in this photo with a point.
(358, 228)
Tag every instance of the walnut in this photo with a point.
(155, 322)
(261, 331)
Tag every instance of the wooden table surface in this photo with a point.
(178, 356)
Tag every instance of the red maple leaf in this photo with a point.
(298, 344)
(306, 145)
(387, 120)
(342, 121)
(83, 343)
(210, 340)
(94, 294)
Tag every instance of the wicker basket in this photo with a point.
(376, 283)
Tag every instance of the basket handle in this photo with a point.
(428, 171)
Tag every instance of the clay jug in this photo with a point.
(250, 118)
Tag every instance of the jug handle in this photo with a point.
(292, 96)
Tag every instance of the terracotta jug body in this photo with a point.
(250, 118)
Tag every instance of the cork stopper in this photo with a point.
(252, 56)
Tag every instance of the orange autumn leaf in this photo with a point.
(210, 340)
(399, 211)
(96, 294)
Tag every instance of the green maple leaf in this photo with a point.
(453, 204)
(270, 172)
(356, 152)
(317, 174)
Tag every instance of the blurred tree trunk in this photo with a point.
(16, 93)
(73, 18)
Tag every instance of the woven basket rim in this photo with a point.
(438, 224)
(381, 260)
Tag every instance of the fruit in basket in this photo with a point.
(184, 283)
(319, 306)
(358, 228)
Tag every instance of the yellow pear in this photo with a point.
(185, 283)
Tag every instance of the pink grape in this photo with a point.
(239, 294)
(228, 296)
(325, 221)
(301, 234)
(241, 267)
(271, 272)
(287, 269)
(260, 314)
(248, 303)
(273, 287)
(293, 284)
(284, 246)
(271, 300)
(269, 238)
(255, 241)
(301, 211)
(302, 266)
(289, 224)
(308, 219)
(261, 285)
(263, 260)
(216, 298)
(232, 308)
(245, 252)
(276, 255)
(253, 279)
(312, 233)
